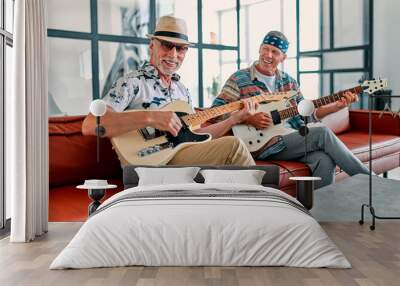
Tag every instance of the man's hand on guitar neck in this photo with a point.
(247, 111)
(345, 101)
(348, 98)
(222, 127)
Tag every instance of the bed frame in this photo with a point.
(270, 179)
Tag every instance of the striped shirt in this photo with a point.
(243, 84)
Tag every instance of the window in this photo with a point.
(335, 48)
(6, 44)
(252, 32)
(108, 39)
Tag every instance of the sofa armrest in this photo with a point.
(382, 122)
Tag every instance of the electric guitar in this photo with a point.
(257, 139)
(149, 146)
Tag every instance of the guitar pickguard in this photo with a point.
(254, 138)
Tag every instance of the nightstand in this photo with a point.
(305, 190)
(96, 191)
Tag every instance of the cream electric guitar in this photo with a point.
(149, 146)
(256, 139)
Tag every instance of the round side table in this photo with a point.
(96, 193)
(305, 190)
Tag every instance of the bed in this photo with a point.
(197, 224)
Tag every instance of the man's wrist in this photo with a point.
(233, 121)
(148, 118)
(338, 107)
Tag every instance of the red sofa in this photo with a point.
(73, 156)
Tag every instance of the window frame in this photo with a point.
(95, 37)
(367, 49)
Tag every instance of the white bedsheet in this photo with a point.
(205, 231)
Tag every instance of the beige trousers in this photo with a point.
(226, 150)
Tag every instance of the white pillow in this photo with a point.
(248, 177)
(164, 176)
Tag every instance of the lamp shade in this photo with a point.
(306, 107)
(98, 107)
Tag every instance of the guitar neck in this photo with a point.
(325, 100)
(205, 115)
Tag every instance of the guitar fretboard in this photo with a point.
(205, 115)
(292, 111)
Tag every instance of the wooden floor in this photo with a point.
(374, 255)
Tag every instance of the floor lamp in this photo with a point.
(306, 109)
(305, 185)
(98, 108)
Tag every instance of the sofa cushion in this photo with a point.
(338, 122)
(73, 157)
(382, 144)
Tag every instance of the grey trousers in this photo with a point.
(324, 152)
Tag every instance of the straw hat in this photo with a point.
(171, 29)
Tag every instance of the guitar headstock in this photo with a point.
(372, 86)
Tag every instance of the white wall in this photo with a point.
(387, 44)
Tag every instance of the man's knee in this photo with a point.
(234, 142)
(322, 130)
(239, 153)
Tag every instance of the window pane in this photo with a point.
(70, 76)
(118, 59)
(66, 16)
(9, 71)
(123, 17)
(219, 22)
(326, 84)
(309, 64)
(184, 9)
(189, 74)
(326, 39)
(290, 66)
(245, 58)
(219, 66)
(309, 25)
(289, 25)
(251, 32)
(351, 22)
(310, 85)
(9, 15)
(344, 81)
(343, 60)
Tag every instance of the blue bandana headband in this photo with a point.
(276, 42)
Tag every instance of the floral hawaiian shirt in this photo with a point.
(143, 89)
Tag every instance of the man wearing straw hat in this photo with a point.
(156, 84)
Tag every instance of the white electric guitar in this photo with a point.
(149, 146)
(257, 139)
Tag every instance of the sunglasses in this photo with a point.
(169, 46)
